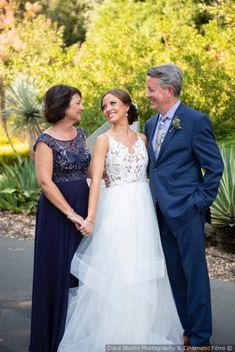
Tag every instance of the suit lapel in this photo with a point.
(171, 131)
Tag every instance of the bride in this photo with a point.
(124, 295)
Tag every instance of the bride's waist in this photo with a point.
(127, 182)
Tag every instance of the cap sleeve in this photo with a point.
(82, 133)
(45, 138)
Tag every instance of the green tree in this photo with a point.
(126, 38)
(72, 15)
(123, 40)
(37, 52)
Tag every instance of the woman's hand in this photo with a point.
(75, 218)
(87, 227)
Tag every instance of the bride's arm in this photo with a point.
(97, 169)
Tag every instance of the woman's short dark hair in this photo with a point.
(57, 100)
(126, 99)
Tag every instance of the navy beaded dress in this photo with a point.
(56, 241)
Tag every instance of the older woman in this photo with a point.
(62, 161)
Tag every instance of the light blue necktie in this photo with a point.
(161, 132)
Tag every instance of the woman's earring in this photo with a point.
(126, 114)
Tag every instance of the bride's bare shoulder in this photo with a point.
(143, 137)
(102, 140)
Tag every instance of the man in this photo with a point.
(180, 145)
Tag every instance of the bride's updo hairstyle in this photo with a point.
(132, 114)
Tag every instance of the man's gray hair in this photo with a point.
(169, 75)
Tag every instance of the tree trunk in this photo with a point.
(2, 119)
(2, 99)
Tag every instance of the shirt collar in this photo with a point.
(170, 113)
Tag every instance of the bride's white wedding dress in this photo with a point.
(124, 295)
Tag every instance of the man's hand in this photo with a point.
(106, 180)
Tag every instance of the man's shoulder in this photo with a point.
(193, 118)
(191, 112)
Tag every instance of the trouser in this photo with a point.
(184, 250)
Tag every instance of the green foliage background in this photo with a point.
(118, 40)
(97, 45)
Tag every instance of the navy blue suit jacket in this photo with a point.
(176, 179)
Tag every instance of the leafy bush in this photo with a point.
(19, 191)
(121, 45)
(7, 156)
(223, 208)
(229, 141)
(125, 38)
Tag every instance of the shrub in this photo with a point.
(223, 208)
(19, 191)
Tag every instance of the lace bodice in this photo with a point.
(71, 158)
(124, 166)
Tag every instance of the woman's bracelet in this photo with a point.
(90, 220)
(71, 212)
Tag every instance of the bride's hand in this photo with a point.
(87, 227)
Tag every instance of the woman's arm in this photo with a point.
(44, 170)
(89, 172)
(97, 169)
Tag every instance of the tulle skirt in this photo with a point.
(124, 295)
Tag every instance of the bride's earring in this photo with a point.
(126, 114)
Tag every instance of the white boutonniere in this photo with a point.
(176, 124)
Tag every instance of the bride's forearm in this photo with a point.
(97, 170)
(94, 195)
